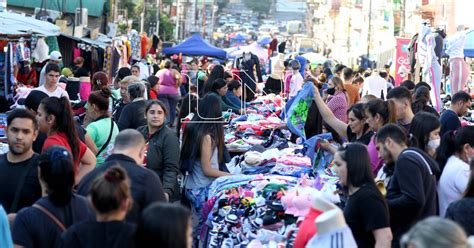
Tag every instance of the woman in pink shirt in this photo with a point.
(378, 113)
(170, 80)
(337, 99)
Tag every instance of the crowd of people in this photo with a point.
(110, 172)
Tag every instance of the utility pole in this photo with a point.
(158, 9)
(212, 19)
(403, 18)
(203, 18)
(370, 29)
(142, 18)
(176, 31)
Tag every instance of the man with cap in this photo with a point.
(54, 58)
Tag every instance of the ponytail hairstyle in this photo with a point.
(421, 97)
(110, 191)
(57, 172)
(421, 126)
(99, 81)
(386, 110)
(453, 142)
(61, 109)
(100, 98)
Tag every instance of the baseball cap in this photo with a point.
(55, 55)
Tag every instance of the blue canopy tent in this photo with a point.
(469, 44)
(196, 46)
(239, 38)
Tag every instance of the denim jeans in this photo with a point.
(170, 102)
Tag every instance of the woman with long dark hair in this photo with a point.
(421, 98)
(162, 155)
(166, 224)
(453, 156)
(55, 118)
(366, 211)
(42, 224)
(219, 89)
(217, 72)
(425, 129)
(202, 151)
(378, 113)
(356, 130)
(111, 199)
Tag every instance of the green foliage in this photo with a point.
(135, 8)
(261, 6)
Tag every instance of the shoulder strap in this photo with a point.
(108, 139)
(19, 186)
(51, 216)
(422, 159)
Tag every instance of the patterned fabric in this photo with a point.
(338, 105)
(298, 111)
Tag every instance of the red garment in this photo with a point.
(143, 41)
(153, 94)
(60, 139)
(307, 228)
(29, 79)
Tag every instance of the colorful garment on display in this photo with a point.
(298, 111)
(319, 157)
(41, 51)
(22, 51)
(431, 68)
(135, 43)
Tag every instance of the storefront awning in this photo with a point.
(17, 24)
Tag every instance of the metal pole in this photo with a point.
(204, 18)
(403, 15)
(142, 18)
(370, 29)
(158, 9)
(176, 31)
(212, 19)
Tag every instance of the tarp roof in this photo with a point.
(196, 46)
(17, 24)
(94, 7)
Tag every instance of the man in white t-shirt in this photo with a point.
(51, 87)
(54, 58)
(375, 85)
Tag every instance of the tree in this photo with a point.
(260, 6)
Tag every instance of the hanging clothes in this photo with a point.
(459, 70)
(22, 51)
(431, 68)
(249, 66)
(143, 46)
(41, 51)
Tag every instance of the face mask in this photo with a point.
(433, 144)
(247, 57)
(331, 91)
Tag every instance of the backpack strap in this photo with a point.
(108, 139)
(422, 159)
(51, 216)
